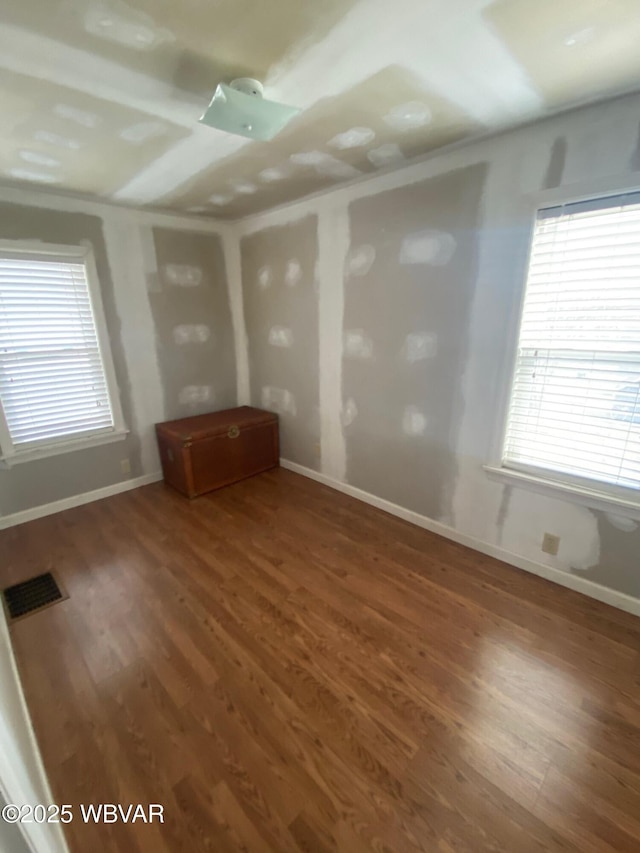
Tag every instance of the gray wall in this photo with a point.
(420, 279)
(142, 308)
(281, 314)
(406, 330)
(194, 338)
(46, 480)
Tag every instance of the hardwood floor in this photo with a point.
(284, 668)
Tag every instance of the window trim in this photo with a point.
(586, 492)
(84, 253)
(592, 498)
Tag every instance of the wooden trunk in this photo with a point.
(205, 452)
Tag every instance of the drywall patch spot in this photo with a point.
(580, 37)
(503, 509)
(191, 334)
(360, 260)
(81, 117)
(354, 138)
(114, 21)
(530, 514)
(38, 159)
(32, 175)
(634, 161)
(337, 169)
(313, 426)
(309, 158)
(153, 280)
(385, 155)
(194, 395)
(274, 173)
(431, 247)
(419, 346)
(280, 336)
(555, 168)
(57, 140)
(183, 275)
(349, 412)
(265, 277)
(219, 199)
(143, 131)
(293, 272)
(414, 421)
(408, 116)
(278, 400)
(621, 522)
(357, 344)
(325, 164)
(243, 187)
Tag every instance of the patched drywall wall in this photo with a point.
(104, 96)
(389, 113)
(408, 288)
(194, 338)
(557, 158)
(527, 515)
(420, 277)
(618, 563)
(296, 271)
(573, 46)
(281, 315)
(150, 378)
(46, 480)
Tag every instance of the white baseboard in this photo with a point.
(575, 582)
(77, 500)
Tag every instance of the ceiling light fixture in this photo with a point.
(240, 108)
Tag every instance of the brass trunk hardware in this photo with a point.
(234, 431)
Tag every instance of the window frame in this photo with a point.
(584, 491)
(9, 455)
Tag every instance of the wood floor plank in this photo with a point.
(284, 668)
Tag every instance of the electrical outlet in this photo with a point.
(125, 466)
(550, 544)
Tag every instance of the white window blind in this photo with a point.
(575, 400)
(53, 386)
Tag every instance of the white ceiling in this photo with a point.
(102, 97)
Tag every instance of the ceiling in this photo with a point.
(102, 97)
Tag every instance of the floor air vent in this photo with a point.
(34, 594)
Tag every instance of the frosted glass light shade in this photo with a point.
(246, 115)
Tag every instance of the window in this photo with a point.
(57, 384)
(574, 410)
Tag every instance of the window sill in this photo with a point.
(591, 498)
(62, 447)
